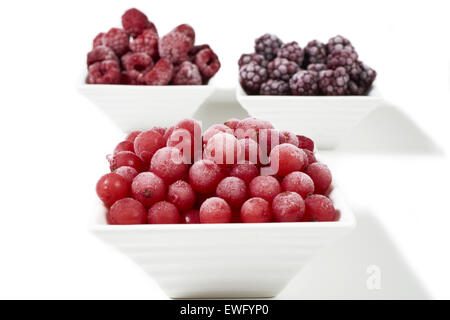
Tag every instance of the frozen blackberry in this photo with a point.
(334, 82)
(274, 88)
(315, 52)
(282, 69)
(292, 52)
(304, 83)
(251, 76)
(339, 43)
(346, 59)
(268, 46)
(355, 89)
(360, 84)
(317, 67)
(246, 58)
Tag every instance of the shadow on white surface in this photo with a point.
(341, 271)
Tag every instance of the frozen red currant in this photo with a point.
(256, 210)
(163, 212)
(127, 211)
(112, 187)
(168, 164)
(128, 173)
(183, 141)
(216, 128)
(181, 194)
(266, 187)
(319, 208)
(248, 151)
(233, 190)
(288, 207)
(244, 171)
(126, 158)
(298, 182)
(321, 176)
(290, 138)
(132, 136)
(286, 158)
(222, 148)
(191, 217)
(232, 123)
(147, 143)
(215, 210)
(124, 146)
(204, 176)
(268, 139)
(148, 188)
(310, 155)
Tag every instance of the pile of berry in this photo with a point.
(242, 171)
(317, 69)
(136, 55)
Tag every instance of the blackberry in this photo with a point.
(282, 69)
(251, 76)
(317, 67)
(339, 43)
(304, 83)
(356, 89)
(274, 88)
(292, 52)
(346, 59)
(268, 46)
(315, 52)
(334, 82)
(246, 58)
(360, 84)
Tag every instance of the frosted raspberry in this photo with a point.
(136, 66)
(215, 210)
(167, 163)
(99, 54)
(233, 190)
(288, 207)
(148, 188)
(188, 31)
(147, 143)
(187, 74)
(161, 74)
(305, 143)
(134, 22)
(117, 39)
(181, 194)
(163, 212)
(196, 49)
(282, 69)
(292, 52)
(174, 46)
(321, 176)
(259, 59)
(245, 171)
(127, 211)
(191, 217)
(286, 158)
(268, 46)
(256, 210)
(104, 72)
(204, 176)
(146, 42)
(266, 187)
(207, 62)
(319, 208)
(298, 182)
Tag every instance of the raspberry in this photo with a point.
(288, 207)
(256, 210)
(319, 208)
(298, 182)
(315, 52)
(321, 176)
(245, 171)
(187, 74)
(266, 187)
(282, 69)
(339, 43)
(104, 72)
(167, 163)
(147, 143)
(196, 49)
(233, 190)
(346, 59)
(146, 42)
(128, 173)
(317, 67)
(191, 217)
(163, 212)
(274, 88)
(334, 82)
(117, 39)
(174, 46)
(246, 58)
(286, 158)
(124, 146)
(128, 159)
(181, 194)
(304, 83)
(112, 187)
(136, 66)
(148, 188)
(127, 211)
(204, 176)
(134, 22)
(161, 74)
(215, 210)
(188, 31)
(251, 76)
(292, 52)
(207, 62)
(98, 40)
(99, 54)
(305, 143)
(268, 46)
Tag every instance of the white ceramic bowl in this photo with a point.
(325, 119)
(224, 260)
(141, 107)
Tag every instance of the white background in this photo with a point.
(54, 141)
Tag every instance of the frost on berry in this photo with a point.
(256, 210)
(304, 83)
(274, 88)
(161, 74)
(204, 176)
(104, 72)
(174, 47)
(288, 207)
(339, 43)
(147, 143)
(334, 82)
(127, 211)
(233, 190)
(321, 176)
(187, 30)
(117, 39)
(246, 58)
(286, 158)
(251, 77)
(187, 74)
(168, 164)
(298, 182)
(222, 148)
(163, 212)
(268, 46)
(315, 53)
(282, 69)
(146, 42)
(148, 188)
(134, 22)
(345, 59)
(99, 54)
(245, 171)
(181, 194)
(319, 208)
(207, 62)
(136, 65)
(292, 52)
(266, 187)
(215, 210)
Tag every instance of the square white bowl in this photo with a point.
(241, 260)
(325, 119)
(140, 107)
